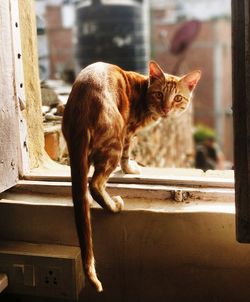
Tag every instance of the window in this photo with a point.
(191, 183)
(35, 134)
(145, 186)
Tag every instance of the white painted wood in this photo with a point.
(150, 176)
(19, 87)
(8, 112)
(17, 53)
(142, 191)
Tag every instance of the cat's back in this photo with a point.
(101, 85)
(96, 69)
(100, 74)
(97, 95)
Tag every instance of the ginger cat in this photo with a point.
(106, 106)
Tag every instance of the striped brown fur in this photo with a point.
(106, 106)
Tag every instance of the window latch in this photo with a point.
(180, 195)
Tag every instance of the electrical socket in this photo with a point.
(42, 270)
(50, 277)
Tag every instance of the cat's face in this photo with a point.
(169, 95)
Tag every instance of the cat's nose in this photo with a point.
(167, 109)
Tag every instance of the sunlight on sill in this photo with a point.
(131, 204)
(167, 176)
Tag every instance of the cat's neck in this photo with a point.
(137, 91)
(139, 112)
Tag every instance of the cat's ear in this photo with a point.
(155, 72)
(191, 79)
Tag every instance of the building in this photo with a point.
(58, 19)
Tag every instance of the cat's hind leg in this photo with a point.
(105, 164)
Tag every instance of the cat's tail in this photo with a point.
(78, 152)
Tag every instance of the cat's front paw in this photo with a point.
(131, 167)
(119, 204)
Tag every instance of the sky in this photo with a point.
(198, 9)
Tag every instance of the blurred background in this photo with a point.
(181, 35)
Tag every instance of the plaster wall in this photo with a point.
(146, 253)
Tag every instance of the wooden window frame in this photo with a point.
(241, 114)
(14, 155)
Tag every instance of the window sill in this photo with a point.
(168, 191)
(222, 204)
(182, 188)
(41, 211)
(154, 189)
(150, 176)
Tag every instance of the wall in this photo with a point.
(60, 40)
(167, 144)
(155, 250)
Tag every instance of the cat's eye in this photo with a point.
(178, 98)
(158, 95)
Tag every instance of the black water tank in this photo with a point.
(113, 31)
